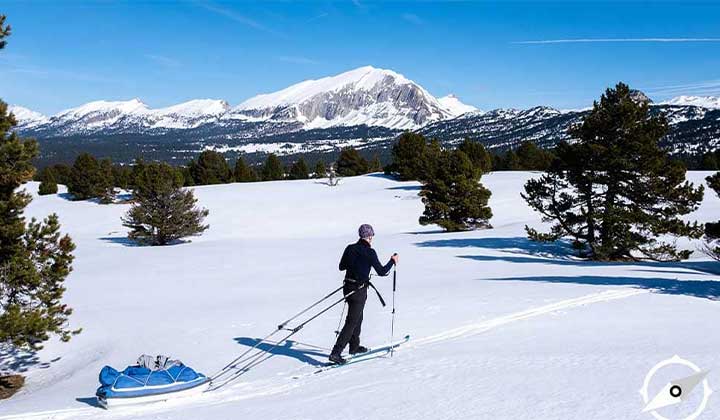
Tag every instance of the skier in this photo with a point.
(357, 260)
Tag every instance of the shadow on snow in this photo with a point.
(520, 250)
(289, 348)
(706, 289)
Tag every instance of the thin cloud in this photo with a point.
(296, 59)
(413, 18)
(320, 16)
(701, 88)
(237, 17)
(163, 60)
(607, 40)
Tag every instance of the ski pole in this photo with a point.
(238, 359)
(392, 323)
(281, 326)
(251, 360)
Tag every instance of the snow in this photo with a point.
(362, 78)
(27, 117)
(122, 107)
(501, 327)
(711, 102)
(195, 108)
(454, 106)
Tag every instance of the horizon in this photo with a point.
(490, 55)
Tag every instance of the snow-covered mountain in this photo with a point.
(710, 102)
(366, 108)
(366, 95)
(27, 118)
(132, 116)
(454, 106)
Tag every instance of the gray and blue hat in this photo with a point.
(365, 231)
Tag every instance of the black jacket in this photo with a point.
(359, 258)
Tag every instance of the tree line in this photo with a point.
(92, 178)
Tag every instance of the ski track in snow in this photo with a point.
(261, 388)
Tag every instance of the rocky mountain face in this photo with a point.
(365, 108)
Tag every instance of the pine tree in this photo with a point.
(453, 197)
(48, 185)
(351, 163)
(478, 155)
(532, 158)
(210, 168)
(299, 170)
(122, 176)
(712, 230)
(163, 212)
(408, 157)
(243, 172)
(272, 169)
(615, 191)
(320, 169)
(34, 259)
(91, 179)
(375, 164)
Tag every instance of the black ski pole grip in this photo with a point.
(394, 279)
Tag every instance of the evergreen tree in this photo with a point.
(712, 230)
(478, 155)
(108, 192)
(709, 161)
(375, 164)
(163, 212)
(532, 158)
(48, 184)
(615, 191)
(351, 163)
(91, 179)
(34, 258)
(511, 161)
(61, 172)
(453, 197)
(320, 169)
(299, 170)
(408, 157)
(210, 168)
(243, 172)
(122, 176)
(272, 169)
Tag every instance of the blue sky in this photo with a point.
(491, 54)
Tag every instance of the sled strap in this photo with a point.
(382, 301)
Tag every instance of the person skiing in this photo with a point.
(356, 261)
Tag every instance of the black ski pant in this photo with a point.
(350, 332)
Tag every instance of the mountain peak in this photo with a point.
(456, 107)
(124, 107)
(362, 96)
(712, 102)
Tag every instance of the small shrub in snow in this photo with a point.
(453, 196)
(163, 212)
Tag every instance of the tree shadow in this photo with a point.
(515, 245)
(706, 289)
(14, 360)
(288, 348)
(560, 253)
(125, 241)
(120, 240)
(406, 188)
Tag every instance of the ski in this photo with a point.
(370, 355)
